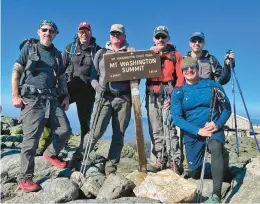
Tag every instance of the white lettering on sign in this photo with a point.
(113, 65)
(133, 69)
(138, 62)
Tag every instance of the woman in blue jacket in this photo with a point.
(193, 112)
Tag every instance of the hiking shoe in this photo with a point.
(28, 185)
(55, 161)
(156, 166)
(110, 169)
(213, 198)
(175, 167)
(39, 152)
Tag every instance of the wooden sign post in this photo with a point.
(132, 66)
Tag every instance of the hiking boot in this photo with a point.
(55, 161)
(175, 167)
(28, 185)
(156, 166)
(110, 169)
(75, 163)
(213, 198)
(39, 152)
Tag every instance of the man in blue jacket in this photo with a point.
(192, 112)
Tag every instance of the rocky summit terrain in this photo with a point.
(128, 185)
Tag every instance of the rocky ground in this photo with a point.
(127, 185)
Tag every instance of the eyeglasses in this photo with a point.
(51, 31)
(84, 31)
(114, 34)
(192, 67)
(157, 37)
(199, 40)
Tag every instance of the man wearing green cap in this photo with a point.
(197, 112)
(40, 69)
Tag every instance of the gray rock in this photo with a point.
(43, 169)
(208, 188)
(119, 200)
(115, 186)
(89, 184)
(59, 190)
(8, 191)
(246, 186)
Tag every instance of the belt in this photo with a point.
(117, 94)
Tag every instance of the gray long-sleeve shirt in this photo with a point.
(98, 74)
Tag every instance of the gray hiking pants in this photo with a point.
(38, 113)
(120, 112)
(162, 131)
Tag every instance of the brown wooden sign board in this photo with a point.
(132, 65)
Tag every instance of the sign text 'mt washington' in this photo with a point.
(132, 65)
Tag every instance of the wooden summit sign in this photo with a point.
(132, 65)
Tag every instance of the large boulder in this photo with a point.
(166, 186)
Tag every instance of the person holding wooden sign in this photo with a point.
(158, 90)
(113, 101)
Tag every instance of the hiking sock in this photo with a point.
(217, 166)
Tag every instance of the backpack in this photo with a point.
(150, 83)
(214, 73)
(71, 50)
(33, 58)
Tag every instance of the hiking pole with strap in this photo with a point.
(83, 167)
(235, 113)
(240, 91)
(216, 94)
(212, 105)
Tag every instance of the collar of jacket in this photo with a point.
(205, 53)
(123, 48)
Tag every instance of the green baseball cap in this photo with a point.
(189, 62)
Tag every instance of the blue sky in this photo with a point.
(226, 24)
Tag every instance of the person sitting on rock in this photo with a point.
(198, 114)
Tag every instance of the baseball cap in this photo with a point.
(117, 28)
(84, 25)
(49, 23)
(189, 62)
(162, 30)
(198, 34)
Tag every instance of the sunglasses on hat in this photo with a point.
(199, 40)
(192, 67)
(51, 31)
(157, 37)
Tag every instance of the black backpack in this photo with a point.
(33, 57)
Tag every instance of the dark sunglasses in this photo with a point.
(84, 31)
(199, 40)
(193, 66)
(157, 37)
(51, 31)
(114, 34)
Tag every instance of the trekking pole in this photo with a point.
(210, 117)
(169, 126)
(235, 112)
(91, 135)
(240, 91)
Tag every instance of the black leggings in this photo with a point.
(217, 166)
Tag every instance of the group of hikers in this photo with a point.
(188, 95)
